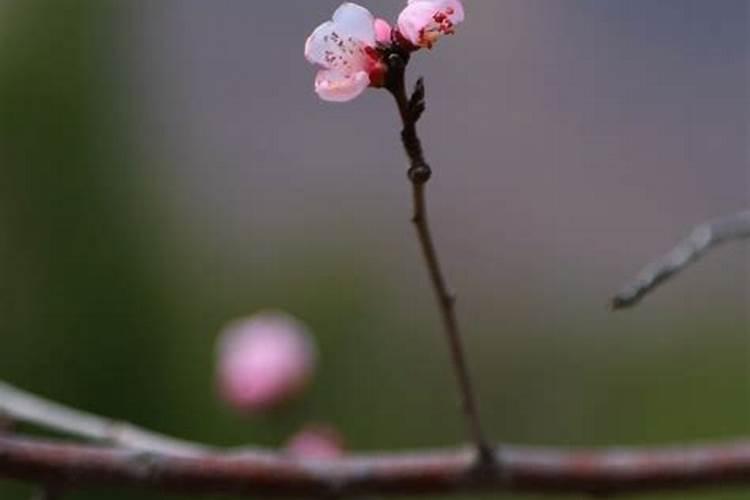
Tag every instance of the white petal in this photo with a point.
(355, 21)
(334, 86)
(340, 44)
(316, 44)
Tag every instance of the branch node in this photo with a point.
(419, 173)
(450, 299)
(396, 62)
(487, 466)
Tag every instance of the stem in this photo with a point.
(410, 110)
(446, 303)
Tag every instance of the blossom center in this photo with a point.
(345, 54)
(439, 25)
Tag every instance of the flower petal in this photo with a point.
(341, 43)
(355, 21)
(335, 86)
(382, 31)
(316, 44)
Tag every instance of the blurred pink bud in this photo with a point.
(264, 361)
(316, 442)
(423, 22)
(383, 31)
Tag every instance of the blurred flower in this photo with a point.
(316, 442)
(423, 22)
(264, 361)
(346, 48)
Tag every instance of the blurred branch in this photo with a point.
(701, 240)
(515, 469)
(47, 493)
(21, 406)
(7, 425)
(152, 461)
(411, 109)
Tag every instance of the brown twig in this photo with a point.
(514, 469)
(411, 109)
(698, 243)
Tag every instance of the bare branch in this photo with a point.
(701, 240)
(515, 469)
(411, 109)
(165, 464)
(23, 406)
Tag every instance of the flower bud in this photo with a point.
(383, 31)
(263, 361)
(316, 442)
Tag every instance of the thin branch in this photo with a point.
(410, 110)
(514, 469)
(23, 406)
(702, 239)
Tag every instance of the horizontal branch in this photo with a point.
(701, 240)
(142, 459)
(516, 469)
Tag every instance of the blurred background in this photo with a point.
(165, 168)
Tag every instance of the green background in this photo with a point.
(95, 315)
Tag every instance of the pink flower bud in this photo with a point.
(383, 31)
(264, 361)
(316, 442)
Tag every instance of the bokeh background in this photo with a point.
(165, 168)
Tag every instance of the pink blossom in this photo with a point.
(423, 22)
(383, 31)
(264, 361)
(346, 49)
(316, 442)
